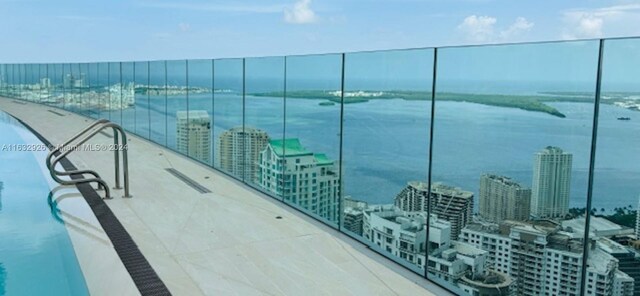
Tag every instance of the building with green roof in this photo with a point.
(309, 180)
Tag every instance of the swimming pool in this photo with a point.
(36, 253)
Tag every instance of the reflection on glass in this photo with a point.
(194, 126)
(128, 96)
(142, 99)
(512, 140)
(387, 109)
(103, 91)
(157, 95)
(177, 92)
(312, 136)
(228, 90)
(115, 91)
(58, 75)
(92, 94)
(616, 191)
(264, 143)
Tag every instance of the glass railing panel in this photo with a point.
(114, 87)
(196, 127)
(128, 96)
(12, 80)
(142, 99)
(158, 102)
(56, 73)
(67, 85)
(24, 81)
(177, 91)
(265, 149)
(21, 80)
(386, 123)
(312, 179)
(103, 91)
(228, 86)
(92, 95)
(4, 79)
(32, 87)
(615, 222)
(47, 84)
(511, 147)
(83, 88)
(76, 83)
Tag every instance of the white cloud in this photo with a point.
(184, 27)
(483, 29)
(593, 23)
(478, 28)
(300, 13)
(520, 26)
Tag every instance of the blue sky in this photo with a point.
(80, 31)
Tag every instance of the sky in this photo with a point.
(127, 30)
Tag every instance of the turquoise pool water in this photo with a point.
(36, 254)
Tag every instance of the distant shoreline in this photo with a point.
(534, 103)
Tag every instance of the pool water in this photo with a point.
(36, 253)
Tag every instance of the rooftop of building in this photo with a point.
(441, 188)
(231, 241)
(288, 147)
(503, 179)
(492, 280)
(598, 225)
(419, 185)
(193, 114)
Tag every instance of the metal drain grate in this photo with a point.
(193, 184)
(56, 113)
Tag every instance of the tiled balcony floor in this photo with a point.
(227, 242)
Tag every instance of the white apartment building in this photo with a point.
(238, 150)
(551, 183)
(303, 178)
(544, 259)
(503, 199)
(193, 134)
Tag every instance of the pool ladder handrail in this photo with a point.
(87, 134)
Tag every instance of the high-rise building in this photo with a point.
(238, 150)
(448, 203)
(413, 198)
(545, 259)
(452, 204)
(193, 134)
(399, 233)
(551, 183)
(503, 199)
(353, 215)
(301, 177)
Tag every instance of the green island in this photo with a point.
(535, 103)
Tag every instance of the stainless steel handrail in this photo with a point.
(100, 124)
(52, 152)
